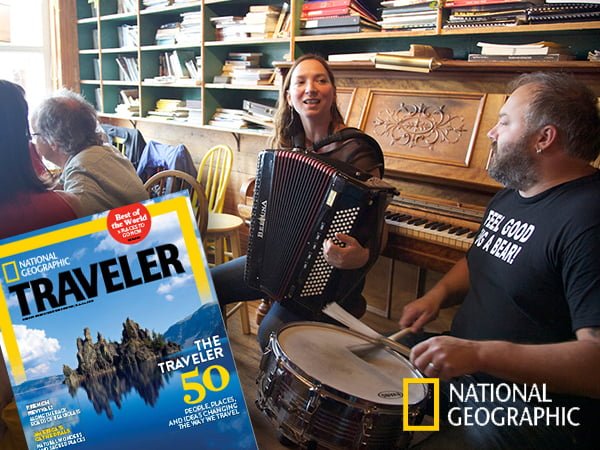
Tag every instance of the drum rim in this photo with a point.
(338, 394)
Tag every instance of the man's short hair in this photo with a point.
(67, 120)
(559, 99)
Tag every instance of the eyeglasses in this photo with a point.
(34, 136)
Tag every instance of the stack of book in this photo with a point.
(167, 33)
(239, 61)
(191, 28)
(127, 35)
(169, 108)
(130, 105)
(261, 21)
(156, 4)
(229, 28)
(126, 6)
(408, 14)
(485, 13)
(128, 68)
(229, 118)
(259, 113)
(536, 51)
(337, 16)
(194, 108)
(252, 76)
(552, 11)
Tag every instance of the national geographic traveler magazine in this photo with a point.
(113, 337)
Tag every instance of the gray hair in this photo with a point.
(559, 99)
(67, 120)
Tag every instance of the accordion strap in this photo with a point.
(351, 133)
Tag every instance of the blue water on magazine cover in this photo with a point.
(134, 411)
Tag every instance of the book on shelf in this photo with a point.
(128, 341)
(337, 30)
(580, 12)
(535, 48)
(96, 65)
(265, 108)
(95, 38)
(126, 6)
(127, 36)
(98, 99)
(415, 50)
(130, 103)
(400, 3)
(259, 120)
(593, 2)
(128, 68)
(477, 57)
(311, 10)
(460, 3)
(337, 21)
(285, 10)
(222, 79)
(389, 12)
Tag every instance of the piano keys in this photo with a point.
(432, 235)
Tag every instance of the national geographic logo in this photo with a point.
(406, 382)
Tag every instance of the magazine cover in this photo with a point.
(113, 336)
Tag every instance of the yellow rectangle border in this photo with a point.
(436, 404)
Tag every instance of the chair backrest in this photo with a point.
(169, 181)
(119, 144)
(213, 174)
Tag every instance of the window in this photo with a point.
(25, 59)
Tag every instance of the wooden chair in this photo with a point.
(222, 239)
(119, 144)
(169, 181)
(213, 174)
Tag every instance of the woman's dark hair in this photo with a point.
(287, 121)
(17, 174)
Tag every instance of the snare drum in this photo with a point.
(319, 393)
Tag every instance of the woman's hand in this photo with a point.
(351, 256)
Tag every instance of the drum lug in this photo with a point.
(367, 421)
(314, 399)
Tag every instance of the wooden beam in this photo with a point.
(64, 46)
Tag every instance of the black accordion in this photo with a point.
(300, 200)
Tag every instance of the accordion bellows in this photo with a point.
(299, 201)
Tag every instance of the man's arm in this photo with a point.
(449, 291)
(567, 367)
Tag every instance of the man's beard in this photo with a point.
(513, 166)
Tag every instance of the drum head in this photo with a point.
(323, 352)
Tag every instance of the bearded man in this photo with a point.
(529, 286)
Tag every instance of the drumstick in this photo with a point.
(362, 350)
(338, 313)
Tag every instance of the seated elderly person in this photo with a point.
(65, 133)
